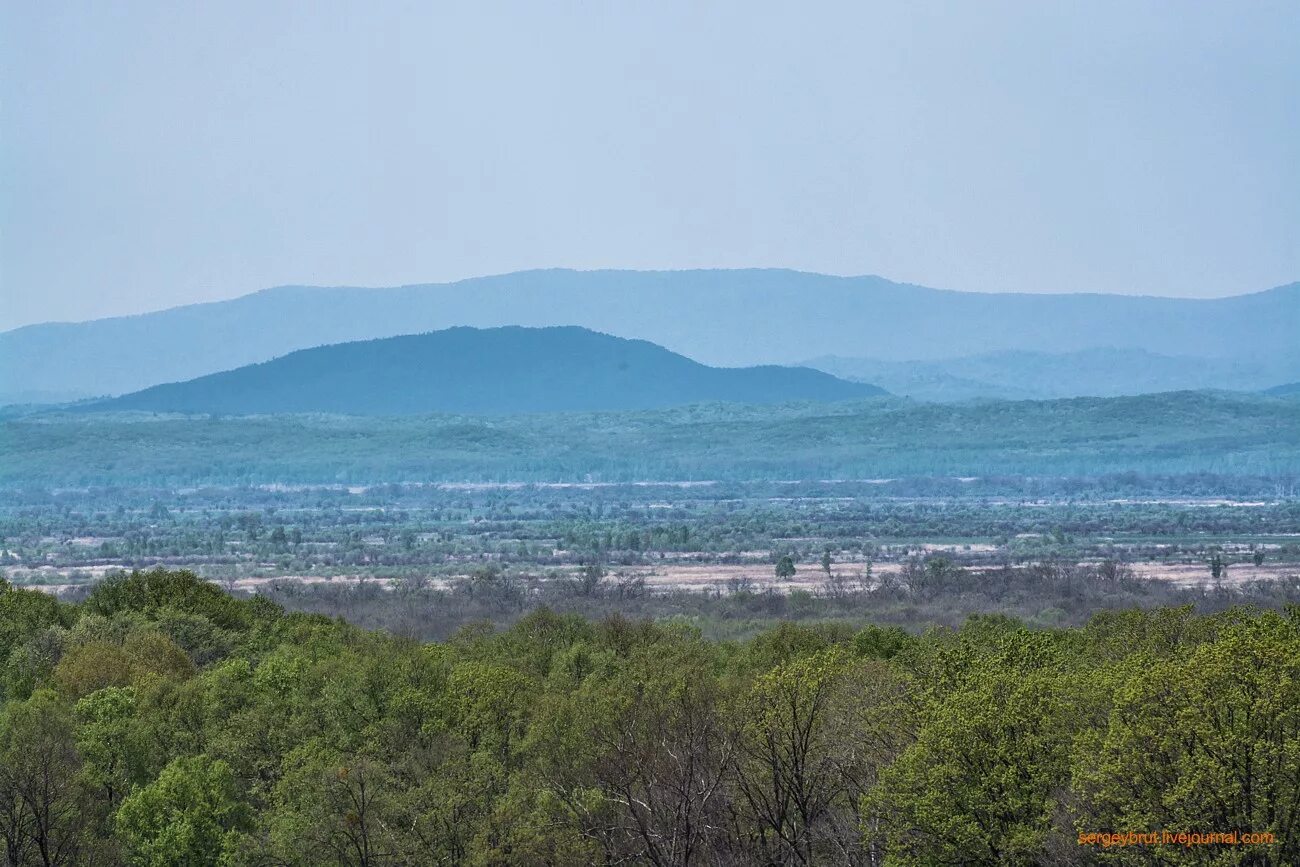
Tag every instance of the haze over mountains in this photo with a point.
(1021, 375)
(728, 318)
(499, 371)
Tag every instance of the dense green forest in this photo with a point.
(161, 721)
(1181, 433)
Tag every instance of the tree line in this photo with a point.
(1189, 434)
(161, 721)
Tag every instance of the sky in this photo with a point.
(165, 153)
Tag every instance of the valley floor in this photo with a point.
(862, 551)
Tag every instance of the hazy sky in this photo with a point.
(161, 153)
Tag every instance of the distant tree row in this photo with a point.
(1219, 440)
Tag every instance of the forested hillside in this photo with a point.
(493, 370)
(1186, 433)
(163, 722)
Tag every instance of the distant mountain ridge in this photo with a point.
(1100, 372)
(718, 317)
(499, 370)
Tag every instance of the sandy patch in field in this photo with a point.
(22, 575)
(755, 576)
(761, 576)
(959, 547)
(1191, 574)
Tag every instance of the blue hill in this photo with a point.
(716, 317)
(495, 370)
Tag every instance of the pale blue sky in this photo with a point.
(161, 153)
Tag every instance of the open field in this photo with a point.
(428, 559)
(677, 534)
(714, 577)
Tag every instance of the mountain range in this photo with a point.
(1100, 372)
(493, 371)
(729, 317)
